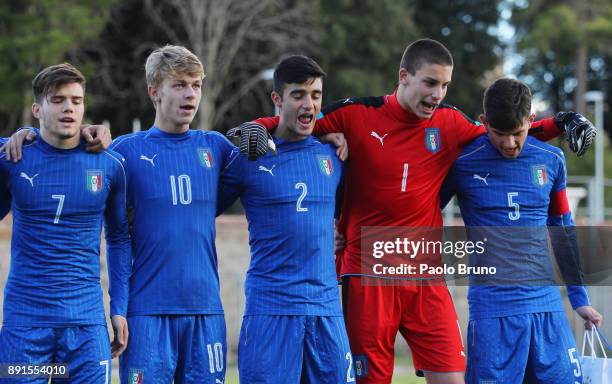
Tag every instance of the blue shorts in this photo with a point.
(294, 349)
(85, 349)
(183, 348)
(529, 348)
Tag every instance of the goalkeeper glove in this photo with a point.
(254, 139)
(579, 131)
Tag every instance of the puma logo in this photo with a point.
(262, 168)
(377, 136)
(150, 160)
(483, 179)
(28, 178)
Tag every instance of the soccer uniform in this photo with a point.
(518, 331)
(397, 165)
(53, 309)
(292, 329)
(177, 327)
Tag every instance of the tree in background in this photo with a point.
(35, 34)
(358, 42)
(235, 39)
(565, 48)
(468, 29)
(362, 44)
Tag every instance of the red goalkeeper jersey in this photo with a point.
(397, 163)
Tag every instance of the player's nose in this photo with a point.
(308, 103)
(437, 93)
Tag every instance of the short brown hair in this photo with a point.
(295, 69)
(506, 104)
(169, 61)
(425, 51)
(49, 79)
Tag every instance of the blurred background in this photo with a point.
(562, 49)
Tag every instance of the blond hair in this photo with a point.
(171, 60)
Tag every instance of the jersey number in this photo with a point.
(515, 214)
(60, 205)
(298, 205)
(350, 378)
(215, 357)
(104, 363)
(183, 182)
(574, 360)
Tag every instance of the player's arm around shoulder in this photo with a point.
(119, 258)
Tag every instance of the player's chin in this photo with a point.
(511, 154)
(68, 133)
(305, 129)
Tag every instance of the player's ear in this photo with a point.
(36, 110)
(531, 119)
(277, 99)
(153, 94)
(403, 76)
(483, 119)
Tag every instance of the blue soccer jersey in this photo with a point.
(290, 201)
(511, 202)
(59, 199)
(172, 193)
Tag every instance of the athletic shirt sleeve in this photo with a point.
(118, 251)
(545, 129)
(448, 189)
(563, 238)
(230, 186)
(466, 128)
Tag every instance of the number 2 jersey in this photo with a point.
(289, 200)
(510, 202)
(172, 195)
(59, 199)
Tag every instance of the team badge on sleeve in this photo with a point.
(206, 158)
(94, 181)
(432, 139)
(325, 165)
(540, 178)
(135, 376)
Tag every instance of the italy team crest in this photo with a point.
(432, 139)
(94, 181)
(205, 157)
(540, 178)
(135, 376)
(325, 165)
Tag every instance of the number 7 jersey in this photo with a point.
(172, 192)
(59, 198)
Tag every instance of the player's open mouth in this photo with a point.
(305, 119)
(428, 107)
(67, 120)
(187, 107)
